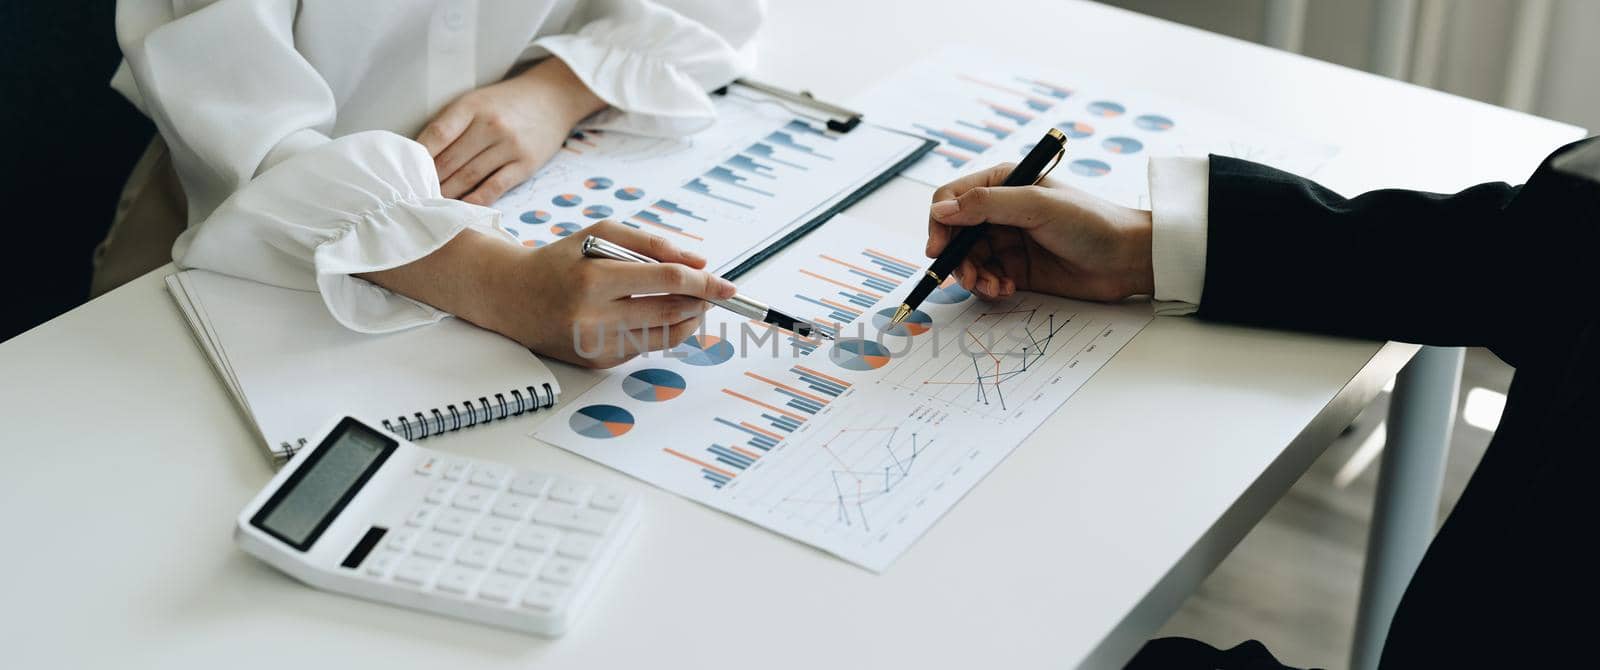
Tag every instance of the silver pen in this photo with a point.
(743, 305)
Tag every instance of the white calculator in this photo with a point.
(367, 514)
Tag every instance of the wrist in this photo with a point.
(555, 85)
(1138, 253)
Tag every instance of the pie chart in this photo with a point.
(948, 293)
(704, 350)
(535, 216)
(629, 193)
(854, 353)
(1154, 122)
(916, 323)
(1089, 167)
(1122, 145)
(653, 385)
(564, 229)
(1076, 129)
(1106, 108)
(597, 183)
(597, 211)
(533, 243)
(567, 200)
(601, 422)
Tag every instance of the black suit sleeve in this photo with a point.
(1488, 266)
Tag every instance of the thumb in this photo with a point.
(1016, 206)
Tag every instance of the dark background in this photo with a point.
(69, 141)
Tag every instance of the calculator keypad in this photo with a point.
(500, 537)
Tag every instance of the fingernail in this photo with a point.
(944, 208)
(693, 257)
(725, 288)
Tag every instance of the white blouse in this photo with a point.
(290, 121)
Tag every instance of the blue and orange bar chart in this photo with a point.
(667, 215)
(768, 412)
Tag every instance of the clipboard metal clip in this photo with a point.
(839, 119)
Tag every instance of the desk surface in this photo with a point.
(126, 461)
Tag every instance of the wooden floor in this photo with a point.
(1294, 580)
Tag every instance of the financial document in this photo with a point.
(984, 110)
(859, 444)
(765, 168)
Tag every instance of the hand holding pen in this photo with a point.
(743, 305)
(1049, 238)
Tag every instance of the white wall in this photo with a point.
(1474, 47)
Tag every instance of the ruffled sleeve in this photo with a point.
(360, 203)
(654, 62)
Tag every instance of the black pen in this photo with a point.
(743, 305)
(1033, 168)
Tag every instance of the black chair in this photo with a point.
(68, 143)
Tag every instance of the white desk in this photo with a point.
(125, 461)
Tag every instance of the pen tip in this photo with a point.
(900, 315)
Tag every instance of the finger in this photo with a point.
(464, 149)
(1023, 207)
(444, 129)
(938, 237)
(645, 243)
(496, 185)
(656, 311)
(675, 278)
(475, 172)
(993, 176)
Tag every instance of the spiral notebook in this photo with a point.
(290, 366)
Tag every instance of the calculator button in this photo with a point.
(476, 554)
(421, 516)
(530, 484)
(439, 493)
(543, 596)
(561, 571)
(415, 571)
(578, 546)
(400, 540)
(472, 498)
(538, 538)
(575, 518)
(497, 531)
(513, 506)
(519, 562)
(500, 588)
(456, 579)
(608, 500)
(380, 564)
(428, 465)
(455, 470)
(566, 490)
(454, 522)
(435, 545)
(491, 476)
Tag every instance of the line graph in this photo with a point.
(990, 369)
(865, 464)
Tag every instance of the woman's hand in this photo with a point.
(1048, 238)
(558, 303)
(495, 137)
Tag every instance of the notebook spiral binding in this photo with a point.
(452, 418)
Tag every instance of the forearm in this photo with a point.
(1284, 252)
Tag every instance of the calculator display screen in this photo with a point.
(309, 500)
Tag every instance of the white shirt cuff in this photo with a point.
(1179, 190)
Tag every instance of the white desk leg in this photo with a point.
(1422, 413)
